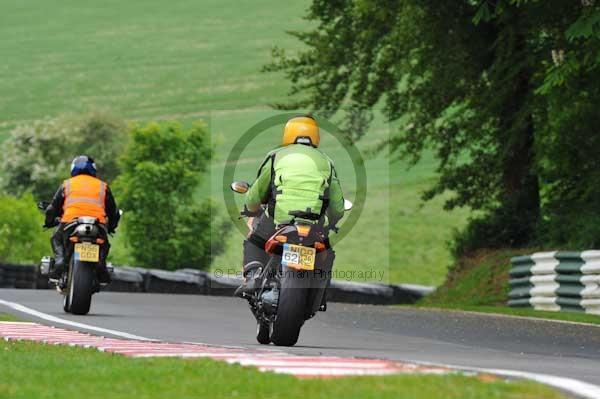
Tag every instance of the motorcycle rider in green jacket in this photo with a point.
(297, 183)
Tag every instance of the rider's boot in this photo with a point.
(323, 306)
(329, 258)
(59, 258)
(251, 272)
(103, 274)
(102, 271)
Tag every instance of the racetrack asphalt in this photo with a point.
(405, 334)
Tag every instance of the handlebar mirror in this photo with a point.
(348, 205)
(241, 187)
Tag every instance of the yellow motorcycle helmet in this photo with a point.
(301, 130)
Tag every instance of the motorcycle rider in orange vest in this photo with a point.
(81, 195)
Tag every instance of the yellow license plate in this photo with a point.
(86, 252)
(298, 257)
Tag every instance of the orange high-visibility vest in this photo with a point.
(84, 196)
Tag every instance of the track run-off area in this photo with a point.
(345, 340)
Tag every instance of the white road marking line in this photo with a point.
(579, 388)
(47, 317)
(576, 387)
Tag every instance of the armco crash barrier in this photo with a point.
(17, 276)
(556, 281)
(192, 281)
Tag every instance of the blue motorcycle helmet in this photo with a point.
(83, 165)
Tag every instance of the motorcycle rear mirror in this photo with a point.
(42, 205)
(241, 187)
(348, 205)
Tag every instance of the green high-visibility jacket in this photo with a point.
(298, 182)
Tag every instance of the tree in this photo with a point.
(463, 78)
(21, 237)
(570, 167)
(162, 170)
(37, 156)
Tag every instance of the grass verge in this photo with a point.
(8, 317)
(479, 283)
(74, 372)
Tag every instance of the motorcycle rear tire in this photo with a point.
(82, 287)
(291, 312)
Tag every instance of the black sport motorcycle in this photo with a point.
(291, 286)
(83, 251)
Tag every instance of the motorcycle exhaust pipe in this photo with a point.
(46, 265)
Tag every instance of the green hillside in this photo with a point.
(201, 59)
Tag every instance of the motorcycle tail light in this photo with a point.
(281, 238)
(271, 245)
(99, 241)
(74, 239)
(319, 246)
(303, 230)
(274, 246)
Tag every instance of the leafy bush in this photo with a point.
(196, 227)
(162, 169)
(494, 230)
(22, 239)
(37, 156)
